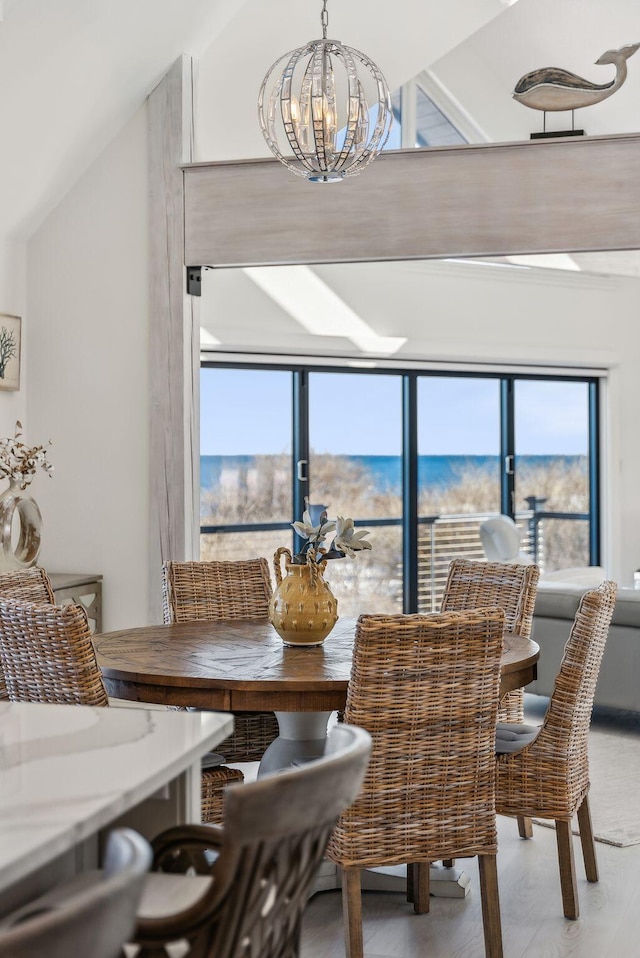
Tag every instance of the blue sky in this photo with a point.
(249, 412)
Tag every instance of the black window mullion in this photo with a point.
(594, 474)
(410, 491)
(300, 446)
(507, 447)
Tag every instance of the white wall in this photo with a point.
(88, 349)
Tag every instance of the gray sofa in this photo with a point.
(619, 682)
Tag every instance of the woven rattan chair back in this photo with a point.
(478, 585)
(46, 654)
(550, 777)
(511, 587)
(93, 922)
(271, 844)
(29, 585)
(426, 687)
(568, 718)
(560, 749)
(217, 590)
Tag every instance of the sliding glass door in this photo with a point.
(245, 462)
(459, 474)
(553, 470)
(420, 459)
(355, 470)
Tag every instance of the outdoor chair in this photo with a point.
(47, 655)
(91, 917)
(426, 687)
(212, 591)
(544, 773)
(500, 538)
(29, 585)
(254, 874)
(511, 587)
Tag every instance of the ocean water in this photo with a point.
(386, 471)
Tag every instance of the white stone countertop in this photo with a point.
(66, 771)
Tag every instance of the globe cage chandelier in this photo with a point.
(304, 102)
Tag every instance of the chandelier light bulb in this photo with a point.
(321, 117)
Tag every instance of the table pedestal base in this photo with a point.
(444, 882)
(303, 737)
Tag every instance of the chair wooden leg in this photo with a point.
(352, 912)
(490, 906)
(525, 827)
(421, 888)
(586, 840)
(410, 880)
(564, 840)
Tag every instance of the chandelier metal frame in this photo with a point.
(310, 115)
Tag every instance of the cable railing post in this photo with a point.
(535, 504)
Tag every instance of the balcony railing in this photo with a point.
(443, 538)
(553, 540)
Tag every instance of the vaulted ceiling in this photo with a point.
(72, 72)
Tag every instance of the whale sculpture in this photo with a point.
(551, 88)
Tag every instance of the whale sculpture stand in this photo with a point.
(547, 134)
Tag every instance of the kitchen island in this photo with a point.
(67, 772)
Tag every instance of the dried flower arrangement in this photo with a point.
(346, 541)
(19, 462)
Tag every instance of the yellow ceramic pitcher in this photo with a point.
(303, 609)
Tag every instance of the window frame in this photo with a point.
(410, 489)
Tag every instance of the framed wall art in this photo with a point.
(10, 341)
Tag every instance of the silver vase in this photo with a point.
(15, 501)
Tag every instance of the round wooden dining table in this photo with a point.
(244, 666)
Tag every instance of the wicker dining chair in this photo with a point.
(29, 585)
(511, 587)
(47, 655)
(92, 919)
(266, 858)
(549, 776)
(426, 687)
(218, 590)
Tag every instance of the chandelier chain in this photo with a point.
(324, 19)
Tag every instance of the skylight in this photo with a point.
(318, 309)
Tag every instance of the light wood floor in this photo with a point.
(532, 922)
